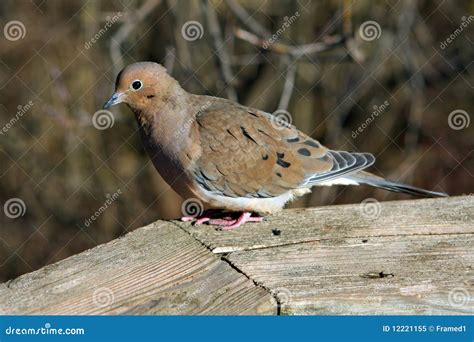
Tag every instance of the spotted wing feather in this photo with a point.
(245, 153)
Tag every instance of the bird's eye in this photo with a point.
(137, 84)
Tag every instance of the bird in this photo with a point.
(239, 162)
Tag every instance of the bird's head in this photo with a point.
(141, 85)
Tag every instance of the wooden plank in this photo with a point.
(413, 257)
(454, 215)
(158, 269)
(386, 275)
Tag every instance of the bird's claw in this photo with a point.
(226, 222)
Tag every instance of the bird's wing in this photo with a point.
(246, 153)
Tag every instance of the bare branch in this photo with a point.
(221, 51)
(247, 19)
(124, 31)
(296, 51)
(170, 58)
(289, 84)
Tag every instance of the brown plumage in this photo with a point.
(230, 156)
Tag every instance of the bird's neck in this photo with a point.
(168, 127)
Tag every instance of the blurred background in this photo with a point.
(394, 78)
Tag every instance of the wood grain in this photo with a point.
(158, 269)
(453, 215)
(406, 257)
(386, 275)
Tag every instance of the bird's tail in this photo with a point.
(363, 177)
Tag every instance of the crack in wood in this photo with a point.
(235, 268)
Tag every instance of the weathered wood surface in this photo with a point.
(158, 269)
(454, 215)
(404, 257)
(382, 276)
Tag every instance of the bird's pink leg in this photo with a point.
(243, 218)
(226, 221)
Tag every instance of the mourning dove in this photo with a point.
(229, 156)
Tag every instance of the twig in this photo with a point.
(247, 19)
(296, 51)
(124, 31)
(351, 44)
(406, 25)
(221, 51)
(170, 58)
(347, 18)
(289, 84)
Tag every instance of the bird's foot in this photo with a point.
(225, 220)
(229, 223)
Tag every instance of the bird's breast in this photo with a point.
(168, 161)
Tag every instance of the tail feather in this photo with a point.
(363, 177)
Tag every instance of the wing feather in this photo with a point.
(244, 153)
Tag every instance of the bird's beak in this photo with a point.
(114, 99)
